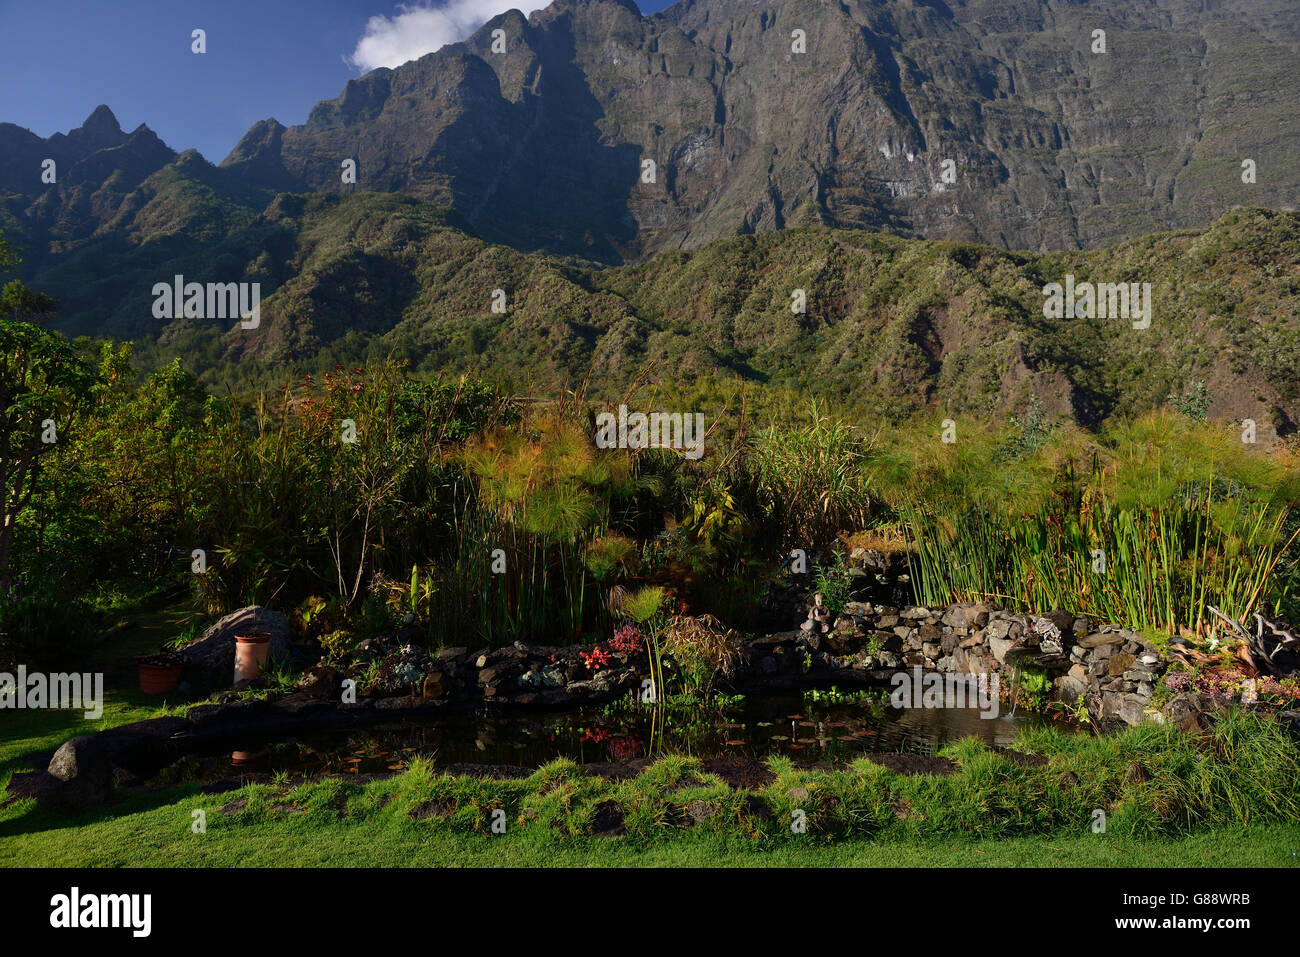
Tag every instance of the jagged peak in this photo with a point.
(101, 120)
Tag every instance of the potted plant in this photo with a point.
(160, 673)
(251, 652)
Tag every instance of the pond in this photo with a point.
(830, 727)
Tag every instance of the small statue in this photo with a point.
(819, 616)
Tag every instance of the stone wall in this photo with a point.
(1113, 667)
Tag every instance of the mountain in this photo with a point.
(521, 172)
(891, 325)
(111, 190)
(1052, 145)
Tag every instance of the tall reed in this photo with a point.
(1166, 521)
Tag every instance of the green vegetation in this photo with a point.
(271, 836)
(1146, 524)
(1228, 796)
(371, 499)
(893, 327)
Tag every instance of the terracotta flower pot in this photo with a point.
(251, 653)
(159, 679)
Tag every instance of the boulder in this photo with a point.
(85, 769)
(213, 652)
(1100, 639)
(970, 616)
(1069, 687)
(1000, 647)
(1117, 665)
(1132, 709)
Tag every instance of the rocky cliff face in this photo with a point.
(1051, 145)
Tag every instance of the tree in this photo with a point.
(8, 258)
(43, 385)
(21, 304)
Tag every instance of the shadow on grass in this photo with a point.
(35, 819)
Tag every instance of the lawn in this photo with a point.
(149, 832)
(1223, 799)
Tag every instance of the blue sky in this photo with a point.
(59, 59)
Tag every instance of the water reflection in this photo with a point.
(805, 730)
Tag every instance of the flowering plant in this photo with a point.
(628, 640)
(599, 658)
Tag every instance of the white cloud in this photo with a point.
(416, 30)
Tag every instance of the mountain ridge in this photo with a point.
(1053, 146)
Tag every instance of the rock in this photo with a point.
(1068, 688)
(1000, 647)
(1079, 673)
(969, 616)
(321, 681)
(1062, 621)
(213, 652)
(1101, 638)
(931, 633)
(86, 769)
(1118, 664)
(233, 807)
(1132, 709)
(607, 818)
(700, 811)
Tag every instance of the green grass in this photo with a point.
(44, 730)
(1224, 799)
(161, 837)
